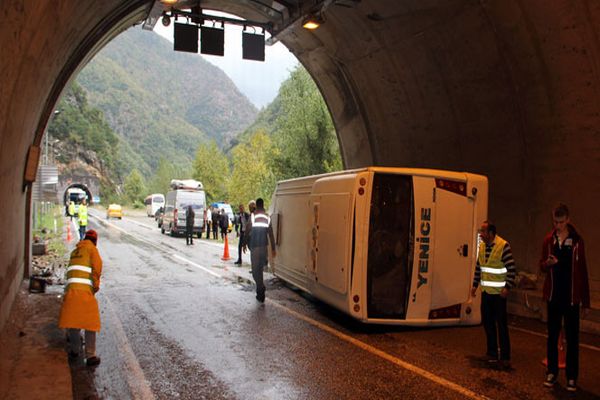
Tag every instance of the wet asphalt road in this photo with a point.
(179, 323)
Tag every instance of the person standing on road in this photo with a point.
(71, 210)
(496, 272)
(259, 236)
(224, 222)
(83, 219)
(243, 220)
(216, 223)
(566, 288)
(79, 308)
(207, 221)
(189, 225)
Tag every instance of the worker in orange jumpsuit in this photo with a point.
(80, 308)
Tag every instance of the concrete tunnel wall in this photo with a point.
(505, 88)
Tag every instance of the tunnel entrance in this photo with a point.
(77, 192)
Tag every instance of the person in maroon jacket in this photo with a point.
(566, 288)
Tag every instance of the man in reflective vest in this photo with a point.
(79, 308)
(259, 234)
(496, 272)
(71, 210)
(83, 219)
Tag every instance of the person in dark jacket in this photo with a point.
(216, 218)
(243, 218)
(259, 236)
(566, 288)
(189, 225)
(224, 224)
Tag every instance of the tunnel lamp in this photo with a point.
(169, 2)
(312, 22)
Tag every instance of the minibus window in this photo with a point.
(389, 264)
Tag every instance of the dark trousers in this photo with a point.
(82, 229)
(258, 258)
(240, 245)
(189, 235)
(215, 231)
(207, 226)
(556, 313)
(495, 323)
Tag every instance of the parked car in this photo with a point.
(114, 211)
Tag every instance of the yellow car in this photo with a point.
(114, 211)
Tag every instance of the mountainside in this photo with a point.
(162, 102)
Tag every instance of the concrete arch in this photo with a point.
(505, 88)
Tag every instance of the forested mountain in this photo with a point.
(293, 136)
(162, 102)
(82, 140)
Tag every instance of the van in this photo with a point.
(176, 202)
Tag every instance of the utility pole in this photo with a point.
(56, 112)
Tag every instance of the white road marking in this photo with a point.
(185, 260)
(140, 223)
(534, 333)
(379, 353)
(136, 380)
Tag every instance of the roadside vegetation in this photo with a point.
(48, 224)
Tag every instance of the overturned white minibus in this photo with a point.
(384, 245)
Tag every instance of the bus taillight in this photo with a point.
(175, 217)
(446, 312)
(452, 186)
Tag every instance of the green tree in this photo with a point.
(134, 187)
(304, 132)
(212, 169)
(252, 176)
(165, 171)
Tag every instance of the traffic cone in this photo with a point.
(226, 251)
(69, 232)
(562, 354)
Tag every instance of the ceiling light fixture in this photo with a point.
(312, 21)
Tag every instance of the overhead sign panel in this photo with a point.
(185, 38)
(253, 46)
(212, 41)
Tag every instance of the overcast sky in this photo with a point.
(259, 81)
